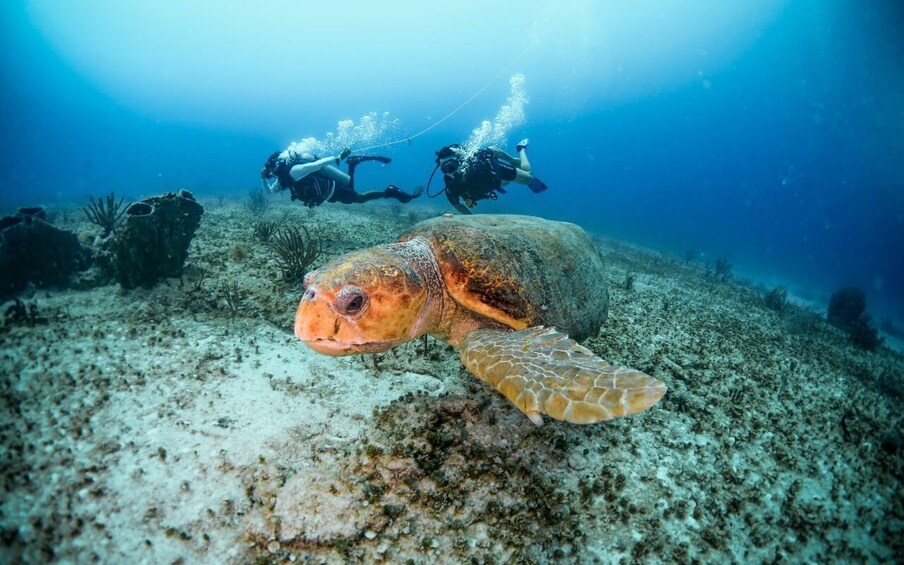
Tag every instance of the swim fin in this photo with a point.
(536, 185)
(355, 159)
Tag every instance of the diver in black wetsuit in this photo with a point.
(482, 175)
(314, 181)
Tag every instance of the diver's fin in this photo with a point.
(536, 185)
(392, 191)
(542, 371)
(355, 159)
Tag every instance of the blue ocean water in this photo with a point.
(771, 133)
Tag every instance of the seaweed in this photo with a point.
(107, 213)
(295, 252)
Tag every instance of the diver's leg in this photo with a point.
(369, 195)
(522, 154)
(334, 174)
(523, 177)
(392, 191)
(513, 161)
(302, 170)
(351, 197)
(356, 160)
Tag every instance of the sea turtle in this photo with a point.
(507, 290)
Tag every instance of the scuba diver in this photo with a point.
(315, 181)
(482, 175)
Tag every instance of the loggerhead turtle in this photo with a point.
(505, 290)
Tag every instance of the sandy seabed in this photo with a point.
(161, 426)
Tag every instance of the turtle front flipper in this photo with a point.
(543, 371)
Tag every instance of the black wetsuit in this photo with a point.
(481, 177)
(315, 188)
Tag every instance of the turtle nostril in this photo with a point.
(309, 294)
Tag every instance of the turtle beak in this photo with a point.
(314, 321)
(321, 329)
(317, 325)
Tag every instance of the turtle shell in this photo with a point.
(521, 271)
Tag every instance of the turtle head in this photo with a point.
(363, 302)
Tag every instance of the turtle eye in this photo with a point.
(351, 301)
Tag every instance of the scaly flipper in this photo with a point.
(543, 371)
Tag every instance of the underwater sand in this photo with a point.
(156, 426)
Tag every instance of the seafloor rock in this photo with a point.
(152, 243)
(33, 250)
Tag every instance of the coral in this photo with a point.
(32, 250)
(629, 281)
(238, 252)
(21, 314)
(863, 334)
(846, 306)
(847, 311)
(777, 299)
(105, 213)
(152, 243)
(296, 252)
(722, 269)
(232, 298)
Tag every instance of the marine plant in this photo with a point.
(722, 269)
(232, 298)
(777, 299)
(690, 254)
(22, 314)
(257, 201)
(295, 252)
(265, 229)
(629, 281)
(106, 213)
